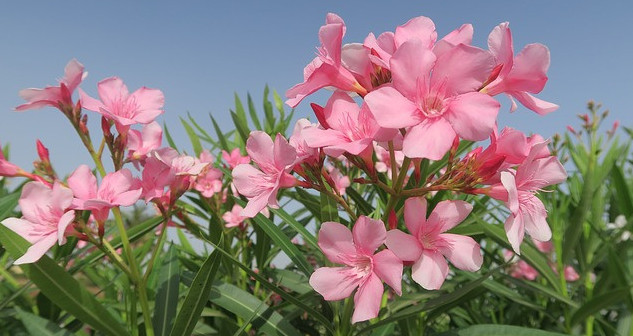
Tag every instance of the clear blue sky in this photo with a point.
(200, 52)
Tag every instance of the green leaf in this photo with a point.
(167, 293)
(269, 125)
(250, 308)
(203, 133)
(223, 144)
(170, 141)
(281, 240)
(597, 303)
(60, 287)
(624, 197)
(197, 296)
(193, 137)
(309, 238)
(252, 112)
(239, 110)
(360, 201)
(329, 209)
(36, 325)
(498, 330)
(241, 128)
(8, 204)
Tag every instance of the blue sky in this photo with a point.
(200, 52)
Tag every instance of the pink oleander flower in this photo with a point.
(235, 158)
(55, 96)
(209, 182)
(183, 169)
(156, 175)
(116, 189)
(520, 269)
(436, 97)
(305, 153)
(363, 269)
(45, 218)
(518, 188)
(383, 165)
(327, 69)
(275, 161)
(233, 217)
(7, 168)
(140, 107)
(341, 182)
(141, 143)
(571, 274)
(521, 75)
(347, 128)
(429, 246)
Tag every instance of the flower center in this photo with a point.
(432, 106)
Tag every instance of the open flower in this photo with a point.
(55, 96)
(428, 245)
(141, 143)
(140, 107)
(363, 269)
(436, 97)
(45, 217)
(260, 186)
(234, 158)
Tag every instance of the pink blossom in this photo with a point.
(437, 97)
(55, 96)
(7, 168)
(275, 161)
(156, 176)
(521, 75)
(140, 107)
(383, 164)
(235, 158)
(518, 189)
(571, 274)
(341, 182)
(428, 245)
(305, 153)
(363, 269)
(183, 171)
(141, 143)
(233, 217)
(327, 69)
(45, 218)
(209, 182)
(520, 269)
(348, 128)
(116, 189)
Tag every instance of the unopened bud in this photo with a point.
(393, 220)
(320, 115)
(42, 151)
(83, 125)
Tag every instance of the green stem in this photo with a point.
(157, 247)
(397, 187)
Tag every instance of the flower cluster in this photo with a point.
(400, 100)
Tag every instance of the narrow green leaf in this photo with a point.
(329, 209)
(223, 144)
(239, 110)
(241, 128)
(245, 305)
(360, 201)
(8, 204)
(269, 124)
(203, 133)
(253, 112)
(170, 140)
(193, 137)
(598, 303)
(300, 228)
(197, 296)
(36, 325)
(279, 104)
(498, 330)
(624, 197)
(281, 240)
(167, 293)
(60, 287)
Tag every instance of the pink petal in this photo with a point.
(388, 267)
(415, 214)
(430, 270)
(283, 154)
(537, 105)
(369, 234)
(431, 139)
(61, 197)
(83, 183)
(334, 283)
(150, 101)
(127, 198)
(260, 148)
(405, 246)
(64, 221)
(35, 197)
(391, 109)
(354, 147)
(473, 115)
(447, 214)
(500, 45)
(462, 251)
(509, 183)
(256, 204)
(73, 74)
(462, 69)
(250, 181)
(111, 91)
(412, 61)
(90, 103)
(336, 242)
(419, 28)
(367, 299)
(515, 230)
(463, 34)
(37, 250)
(22, 227)
(534, 218)
(529, 72)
